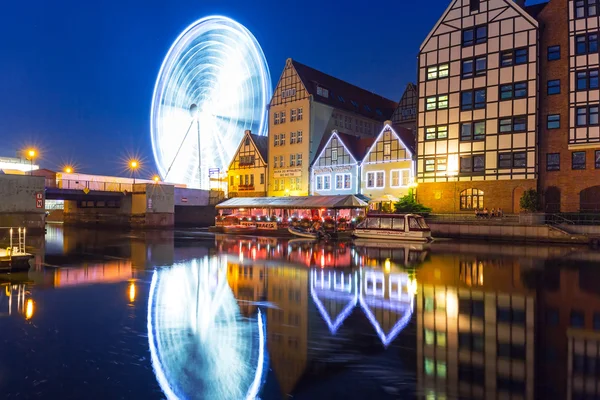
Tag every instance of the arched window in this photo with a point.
(471, 199)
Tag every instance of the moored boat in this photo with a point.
(306, 234)
(404, 227)
(239, 229)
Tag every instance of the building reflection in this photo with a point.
(16, 300)
(475, 328)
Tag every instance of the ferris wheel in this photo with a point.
(213, 85)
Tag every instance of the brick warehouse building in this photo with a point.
(494, 105)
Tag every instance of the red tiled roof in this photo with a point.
(344, 95)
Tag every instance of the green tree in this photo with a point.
(408, 204)
(530, 201)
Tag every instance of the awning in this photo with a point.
(306, 202)
(385, 198)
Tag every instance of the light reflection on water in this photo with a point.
(173, 315)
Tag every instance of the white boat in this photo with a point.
(307, 235)
(404, 227)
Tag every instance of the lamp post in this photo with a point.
(133, 166)
(68, 170)
(31, 153)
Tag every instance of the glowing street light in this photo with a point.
(30, 155)
(133, 166)
(68, 170)
(156, 178)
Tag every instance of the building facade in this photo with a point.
(247, 172)
(569, 101)
(336, 170)
(477, 110)
(388, 168)
(405, 115)
(306, 105)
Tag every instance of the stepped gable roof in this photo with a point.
(262, 145)
(343, 95)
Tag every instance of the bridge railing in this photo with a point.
(90, 185)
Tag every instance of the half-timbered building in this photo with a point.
(247, 172)
(336, 170)
(406, 112)
(477, 110)
(308, 104)
(388, 168)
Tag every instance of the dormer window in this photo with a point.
(321, 91)
(355, 104)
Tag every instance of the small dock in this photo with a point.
(14, 257)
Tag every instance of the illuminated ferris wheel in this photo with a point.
(213, 85)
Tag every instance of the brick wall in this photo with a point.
(560, 189)
(445, 197)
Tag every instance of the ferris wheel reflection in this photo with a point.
(201, 345)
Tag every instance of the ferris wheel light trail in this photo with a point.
(215, 76)
(201, 347)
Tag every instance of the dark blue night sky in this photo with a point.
(76, 77)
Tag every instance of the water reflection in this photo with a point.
(201, 345)
(247, 317)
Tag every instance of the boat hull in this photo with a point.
(239, 229)
(381, 234)
(306, 235)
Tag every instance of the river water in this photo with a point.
(188, 315)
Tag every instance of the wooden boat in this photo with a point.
(403, 227)
(308, 235)
(239, 229)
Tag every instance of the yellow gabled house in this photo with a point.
(247, 172)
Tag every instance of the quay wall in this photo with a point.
(518, 233)
(195, 216)
(20, 196)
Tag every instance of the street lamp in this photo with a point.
(156, 179)
(133, 166)
(68, 170)
(31, 153)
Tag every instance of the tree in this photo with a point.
(408, 204)
(530, 201)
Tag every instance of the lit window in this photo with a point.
(440, 132)
(471, 199)
(441, 164)
(326, 182)
(347, 181)
(437, 71)
(380, 176)
(387, 149)
(339, 181)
